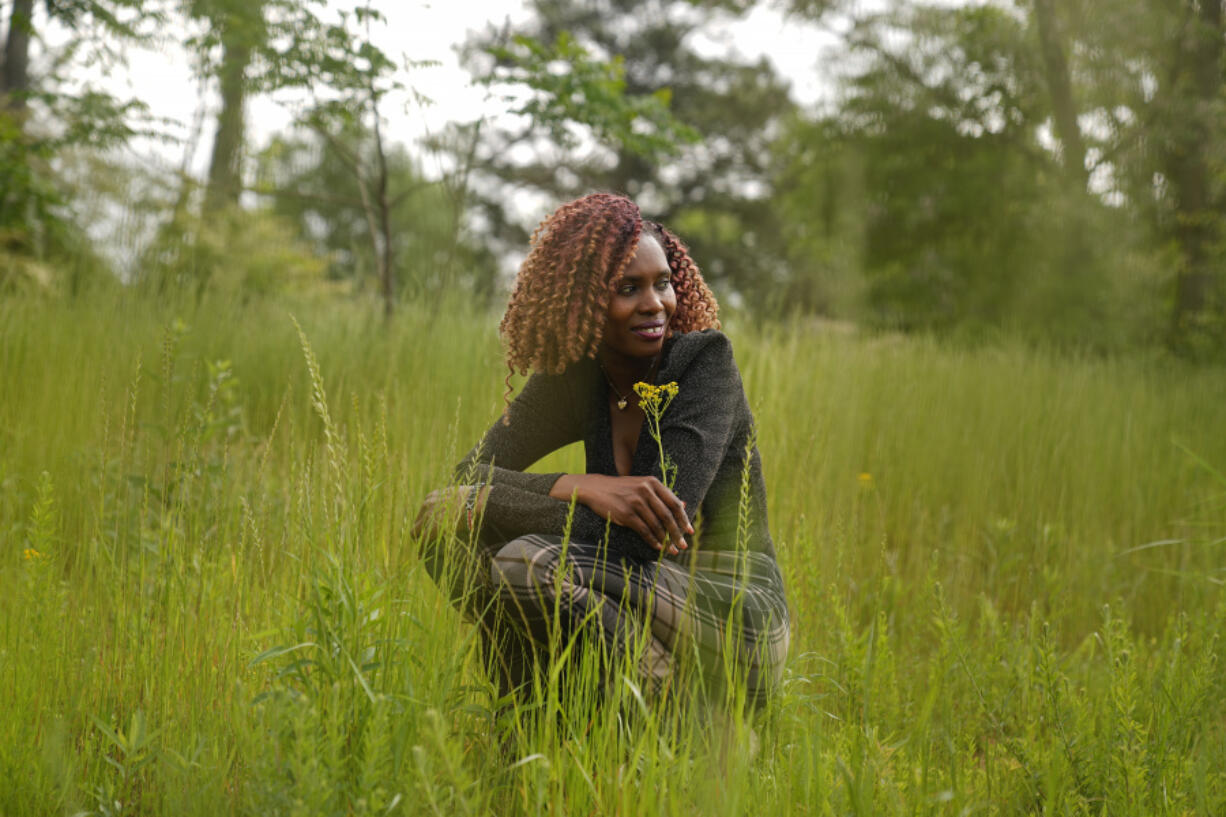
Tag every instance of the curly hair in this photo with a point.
(557, 311)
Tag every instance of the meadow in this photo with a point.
(1005, 566)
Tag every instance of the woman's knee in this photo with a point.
(524, 567)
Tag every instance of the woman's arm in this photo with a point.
(490, 485)
(541, 419)
(501, 510)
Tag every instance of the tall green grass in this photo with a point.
(1005, 568)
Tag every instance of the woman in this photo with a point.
(605, 300)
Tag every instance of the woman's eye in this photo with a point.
(663, 284)
(626, 290)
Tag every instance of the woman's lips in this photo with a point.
(649, 331)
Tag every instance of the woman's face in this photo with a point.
(642, 305)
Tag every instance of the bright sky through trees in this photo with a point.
(430, 32)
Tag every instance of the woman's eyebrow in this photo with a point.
(661, 273)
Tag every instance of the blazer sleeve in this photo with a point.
(542, 418)
(696, 430)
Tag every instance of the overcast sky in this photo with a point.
(431, 31)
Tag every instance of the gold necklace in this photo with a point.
(622, 401)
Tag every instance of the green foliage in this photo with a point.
(307, 182)
(571, 88)
(600, 65)
(41, 537)
(932, 205)
(305, 49)
(44, 245)
(967, 209)
(330, 729)
(44, 116)
(235, 252)
(130, 751)
(820, 201)
(298, 44)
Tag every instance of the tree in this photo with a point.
(237, 32)
(1196, 126)
(15, 71)
(279, 45)
(1060, 86)
(712, 191)
(1116, 106)
(310, 183)
(42, 116)
(934, 199)
(100, 24)
(1150, 78)
(342, 59)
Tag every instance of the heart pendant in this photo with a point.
(621, 404)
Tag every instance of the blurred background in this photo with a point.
(1043, 170)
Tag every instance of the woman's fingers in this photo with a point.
(639, 525)
(644, 513)
(666, 518)
(674, 508)
(677, 508)
(643, 508)
(658, 508)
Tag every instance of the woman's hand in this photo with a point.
(450, 508)
(643, 504)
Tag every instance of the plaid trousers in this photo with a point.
(721, 612)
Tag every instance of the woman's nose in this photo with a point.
(650, 302)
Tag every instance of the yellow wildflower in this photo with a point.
(865, 478)
(654, 400)
(31, 553)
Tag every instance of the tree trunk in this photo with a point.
(224, 166)
(1198, 218)
(376, 210)
(1060, 86)
(14, 74)
(386, 270)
